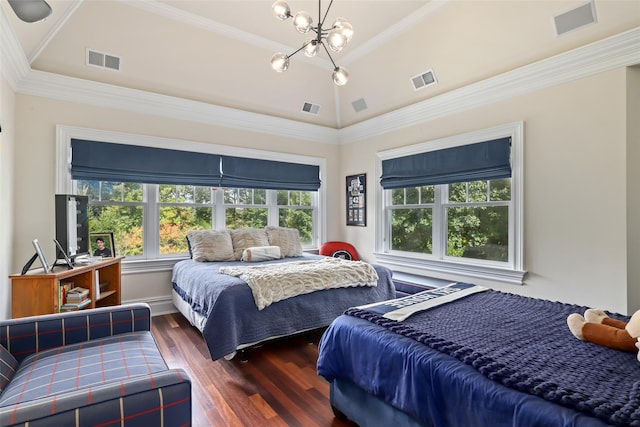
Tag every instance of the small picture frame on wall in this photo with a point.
(357, 200)
(102, 245)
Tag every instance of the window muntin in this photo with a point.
(173, 210)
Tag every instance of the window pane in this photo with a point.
(500, 189)
(111, 192)
(125, 222)
(132, 192)
(259, 197)
(246, 217)
(478, 191)
(89, 188)
(302, 219)
(427, 194)
(175, 222)
(294, 198)
(230, 196)
(283, 198)
(458, 192)
(411, 230)
(478, 232)
(203, 194)
(412, 195)
(397, 196)
(305, 198)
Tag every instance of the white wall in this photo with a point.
(36, 120)
(7, 136)
(575, 186)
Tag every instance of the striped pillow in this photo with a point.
(8, 365)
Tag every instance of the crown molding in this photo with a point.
(64, 88)
(13, 63)
(617, 51)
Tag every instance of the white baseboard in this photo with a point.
(159, 305)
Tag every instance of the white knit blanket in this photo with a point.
(270, 283)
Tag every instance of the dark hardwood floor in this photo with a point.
(278, 386)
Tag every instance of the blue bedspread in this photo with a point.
(234, 320)
(521, 365)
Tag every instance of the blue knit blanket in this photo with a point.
(525, 344)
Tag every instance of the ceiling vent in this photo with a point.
(575, 18)
(310, 108)
(359, 105)
(423, 80)
(103, 60)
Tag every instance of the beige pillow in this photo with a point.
(244, 238)
(210, 245)
(287, 238)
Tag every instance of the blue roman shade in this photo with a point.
(257, 173)
(472, 162)
(103, 161)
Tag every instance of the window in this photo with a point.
(120, 208)
(471, 227)
(150, 221)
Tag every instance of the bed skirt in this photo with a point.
(365, 409)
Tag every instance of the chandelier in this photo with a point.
(336, 37)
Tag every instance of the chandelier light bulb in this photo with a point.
(303, 22)
(336, 40)
(340, 76)
(281, 10)
(280, 62)
(310, 48)
(345, 28)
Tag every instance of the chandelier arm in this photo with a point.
(321, 23)
(327, 50)
(303, 46)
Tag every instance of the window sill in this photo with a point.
(149, 265)
(477, 271)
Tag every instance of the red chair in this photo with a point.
(339, 250)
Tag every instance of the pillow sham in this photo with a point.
(287, 238)
(262, 253)
(210, 245)
(244, 238)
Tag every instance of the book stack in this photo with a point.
(76, 299)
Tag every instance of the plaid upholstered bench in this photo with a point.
(89, 368)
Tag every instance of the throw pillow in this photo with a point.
(210, 245)
(244, 238)
(287, 238)
(262, 253)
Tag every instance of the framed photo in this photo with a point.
(102, 245)
(357, 200)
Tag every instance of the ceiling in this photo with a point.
(218, 52)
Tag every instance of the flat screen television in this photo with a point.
(72, 224)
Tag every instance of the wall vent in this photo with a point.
(310, 108)
(423, 80)
(575, 18)
(359, 105)
(103, 60)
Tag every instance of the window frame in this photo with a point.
(65, 185)
(509, 272)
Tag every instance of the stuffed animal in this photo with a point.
(596, 327)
